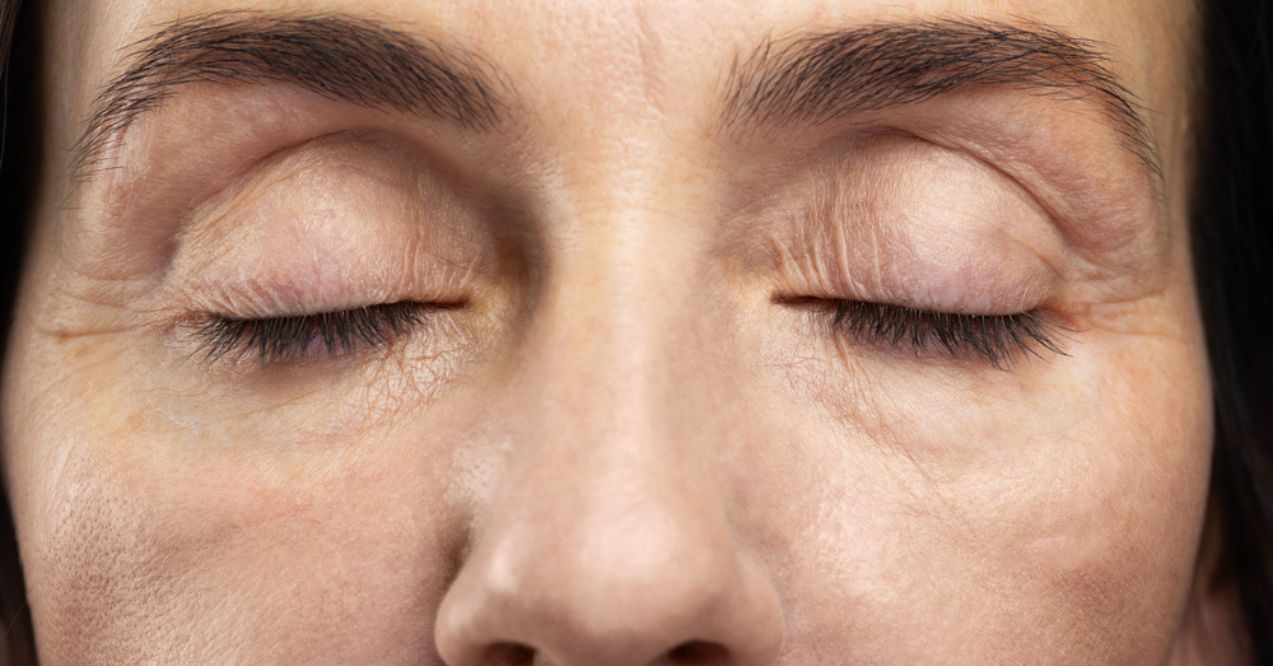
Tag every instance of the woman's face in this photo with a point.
(610, 333)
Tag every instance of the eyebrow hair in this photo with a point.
(335, 56)
(822, 77)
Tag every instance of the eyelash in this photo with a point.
(281, 339)
(994, 339)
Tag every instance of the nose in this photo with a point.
(590, 587)
(638, 580)
(608, 538)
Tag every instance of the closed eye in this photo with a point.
(993, 339)
(274, 340)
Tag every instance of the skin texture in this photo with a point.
(630, 441)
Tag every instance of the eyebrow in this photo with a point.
(335, 56)
(822, 77)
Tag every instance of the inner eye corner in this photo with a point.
(805, 300)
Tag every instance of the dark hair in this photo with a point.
(1232, 236)
(1231, 220)
(19, 162)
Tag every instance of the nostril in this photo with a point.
(509, 654)
(690, 653)
(698, 653)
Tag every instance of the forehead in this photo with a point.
(653, 57)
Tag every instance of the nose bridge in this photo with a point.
(611, 430)
(608, 538)
(616, 325)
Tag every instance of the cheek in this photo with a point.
(1098, 529)
(142, 544)
(1114, 525)
(1022, 515)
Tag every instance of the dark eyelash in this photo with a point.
(996, 339)
(278, 339)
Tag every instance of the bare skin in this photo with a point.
(623, 423)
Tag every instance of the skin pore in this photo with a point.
(636, 334)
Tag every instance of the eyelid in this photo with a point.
(913, 247)
(997, 340)
(289, 338)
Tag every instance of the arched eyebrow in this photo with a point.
(821, 77)
(336, 56)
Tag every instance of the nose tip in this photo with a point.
(623, 591)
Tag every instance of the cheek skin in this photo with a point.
(1054, 508)
(1088, 552)
(145, 545)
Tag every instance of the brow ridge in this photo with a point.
(335, 56)
(820, 77)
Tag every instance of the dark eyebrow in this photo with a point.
(336, 56)
(821, 77)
